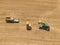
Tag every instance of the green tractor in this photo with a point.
(44, 26)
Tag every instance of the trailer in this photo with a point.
(28, 26)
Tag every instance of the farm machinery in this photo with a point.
(11, 20)
(28, 26)
(44, 26)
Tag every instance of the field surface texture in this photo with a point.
(30, 10)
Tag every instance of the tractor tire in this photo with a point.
(48, 29)
(40, 28)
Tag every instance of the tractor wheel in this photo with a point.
(40, 28)
(48, 29)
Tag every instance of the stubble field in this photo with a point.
(30, 10)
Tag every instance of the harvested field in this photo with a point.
(30, 10)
